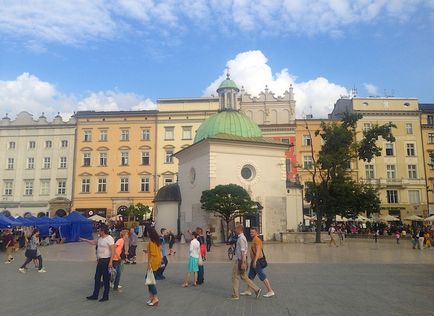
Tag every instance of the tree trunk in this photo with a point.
(227, 230)
(319, 215)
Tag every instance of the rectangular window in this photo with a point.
(85, 185)
(169, 133)
(369, 172)
(145, 158)
(10, 163)
(430, 120)
(86, 159)
(103, 135)
(124, 184)
(48, 144)
(431, 156)
(430, 138)
(391, 171)
(412, 172)
(8, 188)
(389, 149)
(102, 185)
(45, 187)
(392, 196)
(306, 140)
(186, 132)
(144, 184)
(47, 163)
(30, 163)
(61, 187)
(307, 162)
(168, 181)
(124, 158)
(62, 162)
(87, 136)
(125, 134)
(410, 150)
(288, 166)
(414, 196)
(146, 134)
(103, 159)
(32, 144)
(28, 187)
(169, 156)
(366, 127)
(409, 128)
(11, 145)
(64, 143)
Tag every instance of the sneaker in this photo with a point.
(22, 270)
(234, 298)
(42, 270)
(8, 261)
(258, 293)
(269, 294)
(246, 293)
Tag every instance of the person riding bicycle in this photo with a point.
(232, 239)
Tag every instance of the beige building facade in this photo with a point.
(427, 127)
(399, 172)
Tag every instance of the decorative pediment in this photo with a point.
(103, 148)
(124, 173)
(145, 147)
(124, 148)
(145, 173)
(184, 146)
(169, 147)
(86, 149)
(168, 173)
(101, 174)
(85, 174)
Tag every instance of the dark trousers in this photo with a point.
(200, 275)
(132, 252)
(160, 271)
(102, 270)
(28, 260)
(208, 246)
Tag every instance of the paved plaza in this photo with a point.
(359, 278)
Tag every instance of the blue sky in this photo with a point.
(109, 55)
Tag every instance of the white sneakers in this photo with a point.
(42, 270)
(246, 293)
(22, 270)
(269, 294)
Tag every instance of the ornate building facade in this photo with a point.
(36, 169)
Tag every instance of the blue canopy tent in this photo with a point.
(63, 225)
(43, 224)
(80, 227)
(6, 222)
(24, 221)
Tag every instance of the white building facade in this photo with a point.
(36, 165)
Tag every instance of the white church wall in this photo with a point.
(294, 208)
(166, 215)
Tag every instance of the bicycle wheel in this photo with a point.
(230, 253)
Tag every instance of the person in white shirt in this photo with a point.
(105, 250)
(193, 260)
(240, 266)
(332, 233)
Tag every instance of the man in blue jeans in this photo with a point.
(257, 253)
(159, 274)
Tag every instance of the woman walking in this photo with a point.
(154, 262)
(9, 242)
(172, 240)
(32, 252)
(193, 260)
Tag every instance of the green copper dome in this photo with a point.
(228, 84)
(228, 122)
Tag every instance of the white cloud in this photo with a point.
(371, 89)
(72, 22)
(29, 93)
(251, 70)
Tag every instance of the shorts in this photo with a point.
(256, 271)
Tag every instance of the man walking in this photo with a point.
(332, 233)
(256, 265)
(133, 239)
(105, 250)
(240, 266)
(159, 274)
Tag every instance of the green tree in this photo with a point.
(228, 202)
(332, 190)
(135, 212)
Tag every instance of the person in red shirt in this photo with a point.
(117, 258)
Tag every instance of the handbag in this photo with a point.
(150, 278)
(31, 253)
(262, 261)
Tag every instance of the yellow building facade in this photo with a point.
(399, 173)
(427, 127)
(176, 125)
(115, 161)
